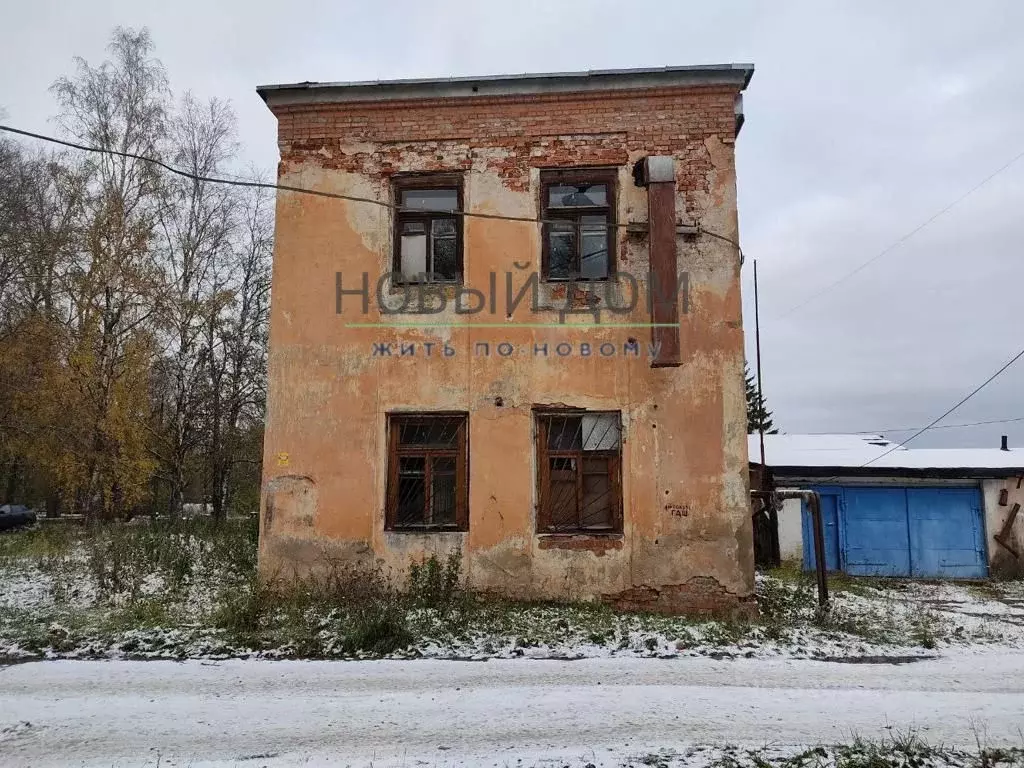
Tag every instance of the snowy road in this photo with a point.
(253, 713)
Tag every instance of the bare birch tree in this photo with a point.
(197, 220)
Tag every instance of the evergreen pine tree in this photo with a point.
(757, 414)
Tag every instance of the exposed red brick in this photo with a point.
(596, 544)
(700, 596)
(544, 130)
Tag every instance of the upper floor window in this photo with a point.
(428, 231)
(579, 472)
(428, 486)
(578, 208)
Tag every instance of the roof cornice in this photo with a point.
(732, 75)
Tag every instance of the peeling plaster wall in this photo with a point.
(1001, 561)
(687, 543)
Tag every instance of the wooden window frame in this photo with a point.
(553, 178)
(402, 183)
(545, 525)
(396, 451)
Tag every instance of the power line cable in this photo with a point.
(975, 391)
(912, 429)
(891, 247)
(318, 193)
(932, 425)
(527, 219)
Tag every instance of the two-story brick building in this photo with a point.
(429, 393)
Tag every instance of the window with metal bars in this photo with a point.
(428, 231)
(428, 487)
(579, 460)
(578, 208)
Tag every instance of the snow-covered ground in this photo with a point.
(548, 685)
(602, 712)
(145, 592)
(64, 615)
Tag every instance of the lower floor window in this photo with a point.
(427, 473)
(579, 472)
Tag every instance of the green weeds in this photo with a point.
(895, 750)
(192, 584)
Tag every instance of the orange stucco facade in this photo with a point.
(686, 542)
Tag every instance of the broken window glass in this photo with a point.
(578, 224)
(561, 249)
(601, 431)
(429, 233)
(579, 472)
(414, 250)
(577, 195)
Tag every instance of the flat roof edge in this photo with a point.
(851, 473)
(736, 75)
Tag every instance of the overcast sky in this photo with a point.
(864, 119)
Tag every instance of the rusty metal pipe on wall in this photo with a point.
(658, 174)
(814, 504)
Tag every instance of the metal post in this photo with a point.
(760, 394)
(814, 502)
(814, 505)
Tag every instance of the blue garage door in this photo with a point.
(897, 531)
(947, 538)
(875, 531)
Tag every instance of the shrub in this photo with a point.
(924, 627)
(349, 608)
(785, 603)
(232, 545)
(114, 558)
(241, 610)
(437, 586)
(126, 560)
(377, 632)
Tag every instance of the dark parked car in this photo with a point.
(16, 516)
